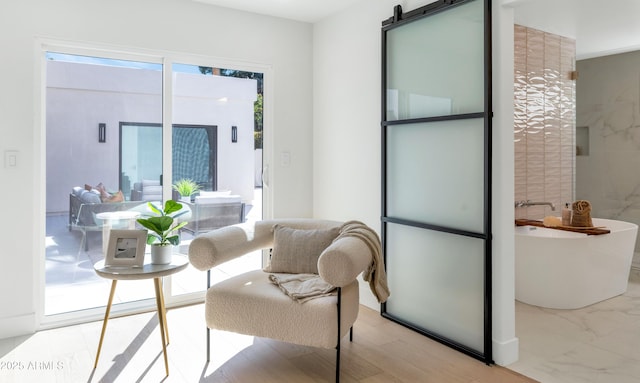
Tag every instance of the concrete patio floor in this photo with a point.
(71, 284)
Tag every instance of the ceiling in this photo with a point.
(600, 27)
(308, 11)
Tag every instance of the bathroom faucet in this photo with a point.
(530, 203)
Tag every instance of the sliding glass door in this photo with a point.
(436, 135)
(107, 147)
(213, 125)
(86, 99)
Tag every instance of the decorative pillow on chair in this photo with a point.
(297, 251)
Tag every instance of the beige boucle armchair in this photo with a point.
(251, 304)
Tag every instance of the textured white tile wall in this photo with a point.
(544, 120)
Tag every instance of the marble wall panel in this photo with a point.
(608, 104)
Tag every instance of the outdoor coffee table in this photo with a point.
(147, 271)
(125, 219)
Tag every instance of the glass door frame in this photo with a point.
(167, 59)
(212, 135)
(397, 20)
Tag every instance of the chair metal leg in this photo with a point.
(208, 330)
(338, 345)
(208, 344)
(338, 364)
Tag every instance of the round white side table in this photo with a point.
(147, 271)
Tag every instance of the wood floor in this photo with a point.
(381, 351)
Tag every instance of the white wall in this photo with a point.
(170, 25)
(346, 141)
(78, 99)
(344, 145)
(505, 343)
(235, 159)
(80, 96)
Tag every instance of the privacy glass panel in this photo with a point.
(432, 67)
(435, 173)
(421, 265)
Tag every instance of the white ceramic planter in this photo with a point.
(161, 255)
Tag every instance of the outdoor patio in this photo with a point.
(72, 284)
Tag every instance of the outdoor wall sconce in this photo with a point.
(102, 132)
(234, 134)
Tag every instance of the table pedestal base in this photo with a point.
(162, 319)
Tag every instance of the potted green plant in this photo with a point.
(186, 187)
(161, 225)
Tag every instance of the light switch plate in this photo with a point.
(285, 159)
(11, 159)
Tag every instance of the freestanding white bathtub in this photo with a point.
(566, 270)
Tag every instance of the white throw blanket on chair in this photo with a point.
(375, 274)
(302, 287)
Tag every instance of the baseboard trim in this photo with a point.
(17, 325)
(505, 353)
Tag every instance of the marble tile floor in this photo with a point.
(598, 343)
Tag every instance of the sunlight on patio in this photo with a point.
(72, 284)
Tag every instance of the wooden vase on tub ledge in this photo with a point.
(581, 214)
(161, 224)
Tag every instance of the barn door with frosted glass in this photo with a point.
(436, 172)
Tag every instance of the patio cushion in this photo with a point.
(77, 191)
(218, 199)
(217, 193)
(146, 190)
(90, 197)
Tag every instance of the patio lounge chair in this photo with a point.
(82, 215)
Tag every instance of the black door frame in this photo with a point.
(398, 19)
